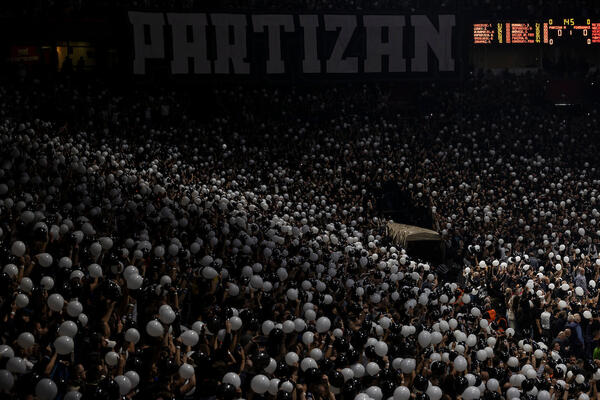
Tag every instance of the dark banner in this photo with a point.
(303, 45)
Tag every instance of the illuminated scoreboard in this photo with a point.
(549, 32)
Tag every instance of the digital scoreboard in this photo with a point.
(547, 32)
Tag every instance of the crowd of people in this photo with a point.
(150, 254)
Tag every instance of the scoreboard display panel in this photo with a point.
(551, 32)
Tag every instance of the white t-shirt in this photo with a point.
(545, 320)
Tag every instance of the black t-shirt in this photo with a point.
(447, 386)
(524, 315)
(537, 315)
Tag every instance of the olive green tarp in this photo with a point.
(418, 241)
(404, 234)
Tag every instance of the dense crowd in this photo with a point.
(150, 254)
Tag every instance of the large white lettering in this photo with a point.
(439, 40)
(227, 44)
(230, 48)
(184, 48)
(376, 49)
(148, 38)
(345, 25)
(273, 24)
